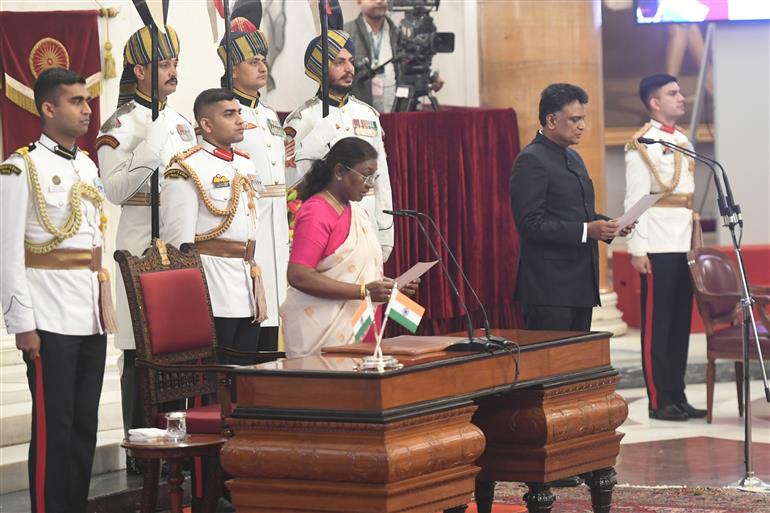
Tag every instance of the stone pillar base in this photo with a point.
(607, 317)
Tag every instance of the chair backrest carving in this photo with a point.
(172, 322)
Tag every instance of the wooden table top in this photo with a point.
(192, 441)
(328, 386)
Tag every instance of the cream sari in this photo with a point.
(311, 323)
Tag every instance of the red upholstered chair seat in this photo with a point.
(178, 316)
(200, 420)
(727, 340)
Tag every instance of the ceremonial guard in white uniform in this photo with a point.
(210, 199)
(659, 247)
(55, 295)
(130, 147)
(263, 141)
(351, 117)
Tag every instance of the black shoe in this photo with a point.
(668, 412)
(565, 482)
(691, 411)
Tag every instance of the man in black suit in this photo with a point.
(552, 198)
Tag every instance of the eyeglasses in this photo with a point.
(369, 180)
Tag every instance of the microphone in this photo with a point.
(471, 344)
(403, 213)
(487, 330)
(730, 212)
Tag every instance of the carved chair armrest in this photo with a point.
(185, 367)
(257, 356)
(223, 373)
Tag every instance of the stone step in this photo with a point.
(111, 492)
(16, 419)
(16, 390)
(109, 457)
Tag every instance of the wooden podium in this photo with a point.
(314, 435)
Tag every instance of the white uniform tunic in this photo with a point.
(263, 141)
(184, 215)
(353, 119)
(130, 147)
(660, 229)
(63, 301)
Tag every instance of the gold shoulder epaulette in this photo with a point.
(175, 172)
(25, 149)
(84, 152)
(633, 144)
(183, 155)
(242, 153)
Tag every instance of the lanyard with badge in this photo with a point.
(378, 81)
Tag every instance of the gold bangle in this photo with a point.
(363, 291)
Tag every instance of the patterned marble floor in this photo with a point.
(693, 453)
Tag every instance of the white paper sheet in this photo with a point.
(415, 272)
(639, 208)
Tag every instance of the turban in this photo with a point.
(138, 50)
(244, 46)
(338, 40)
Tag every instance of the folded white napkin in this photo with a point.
(140, 434)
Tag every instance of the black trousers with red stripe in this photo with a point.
(66, 384)
(666, 297)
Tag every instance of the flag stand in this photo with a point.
(377, 361)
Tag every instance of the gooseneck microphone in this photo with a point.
(405, 213)
(728, 209)
(488, 339)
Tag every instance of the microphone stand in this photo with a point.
(731, 216)
(472, 344)
(487, 331)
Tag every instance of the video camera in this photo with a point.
(419, 42)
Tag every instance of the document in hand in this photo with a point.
(415, 272)
(639, 208)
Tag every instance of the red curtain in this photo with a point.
(455, 165)
(30, 42)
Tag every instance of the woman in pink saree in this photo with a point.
(336, 260)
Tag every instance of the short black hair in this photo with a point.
(649, 86)
(47, 85)
(556, 96)
(209, 97)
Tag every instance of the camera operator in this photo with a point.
(377, 37)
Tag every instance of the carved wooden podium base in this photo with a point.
(422, 464)
(313, 435)
(539, 435)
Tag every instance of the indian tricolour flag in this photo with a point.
(404, 311)
(362, 320)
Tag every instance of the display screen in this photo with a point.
(694, 11)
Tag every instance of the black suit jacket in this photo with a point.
(552, 196)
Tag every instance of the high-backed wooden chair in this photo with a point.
(717, 288)
(176, 343)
